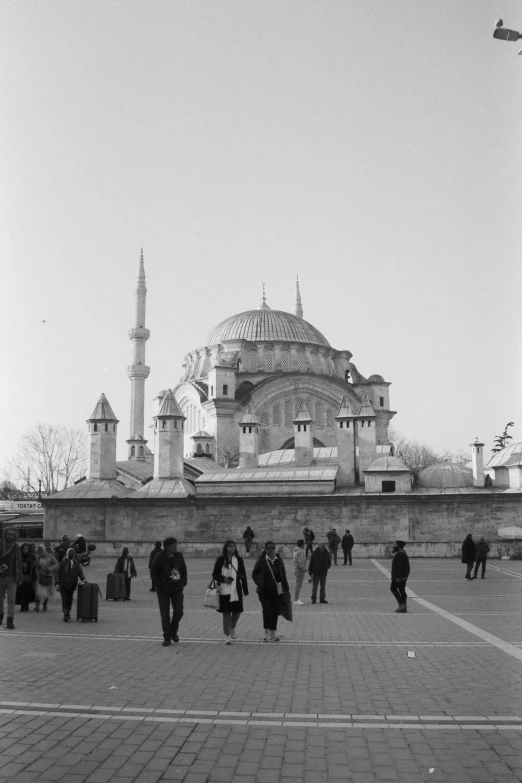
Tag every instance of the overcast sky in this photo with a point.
(372, 147)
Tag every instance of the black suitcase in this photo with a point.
(115, 587)
(87, 602)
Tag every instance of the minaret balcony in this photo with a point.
(139, 333)
(138, 371)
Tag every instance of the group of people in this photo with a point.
(475, 554)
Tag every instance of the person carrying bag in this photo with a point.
(229, 573)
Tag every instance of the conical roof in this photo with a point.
(345, 411)
(366, 411)
(103, 411)
(169, 407)
(302, 414)
(249, 416)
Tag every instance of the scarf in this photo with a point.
(230, 589)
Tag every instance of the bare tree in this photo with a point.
(415, 455)
(53, 454)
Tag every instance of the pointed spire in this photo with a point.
(298, 306)
(249, 417)
(103, 411)
(366, 411)
(302, 414)
(169, 407)
(141, 271)
(263, 305)
(345, 411)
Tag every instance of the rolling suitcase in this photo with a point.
(115, 587)
(87, 602)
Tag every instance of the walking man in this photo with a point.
(10, 574)
(309, 537)
(347, 545)
(400, 572)
(320, 562)
(169, 573)
(468, 554)
(299, 559)
(333, 543)
(69, 572)
(248, 537)
(481, 555)
(155, 551)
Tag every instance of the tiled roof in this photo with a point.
(165, 488)
(265, 324)
(201, 434)
(103, 411)
(138, 469)
(507, 456)
(249, 416)
(325, 454)
(387, 464)
(92, 489)
(302, 414)
(169, 407)
(263, 475)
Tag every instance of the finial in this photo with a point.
(298, 306)
(263, 305)
(141, 271)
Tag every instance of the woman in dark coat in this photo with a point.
(125, 565)
(25, 594)
(468, 554)
(270, 577)
(229, 572)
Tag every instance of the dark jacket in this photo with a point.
(161, 571)
(400, 568)
(262, 575)
(11, 556)
(155, 551)
(61, 550)
(241, 578)
(309, 536)
(80, 545)
(68, 576)
(347, 542)
(482, 550)
(120, 565)
(333, 540)
(249, 534)
(320, 562)
(468, 550)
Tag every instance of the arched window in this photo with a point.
(198, 448)
(269, 361)
(264, 441)
(313, 362)
(276, 415)
(301, 361)
(264, 418)
(288, 413)
(133, 451)
(219, 360)
(106, 428)
(95, 427)
(141, 451)
(252, 361)
(207, 448)
(329, 418)
(318, 415)
(285, 360)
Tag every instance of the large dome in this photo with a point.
(445, 475)
(266, 324)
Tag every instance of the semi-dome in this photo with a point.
(266, 325)
(445, 475)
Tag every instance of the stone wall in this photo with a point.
(434, 524)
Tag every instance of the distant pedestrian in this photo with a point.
(229, 572)
(400, 571)
(347, 543)
(481, 555)
(333, 544)
(10, 574)
(248, 537)
(468, 554)
(300, 569)
(70, 573)
(125, 565)
(46, 567)
(320, 562)
(155, 551)
(269, 576)
(61, 550)
(169, 573)
(25, 593)
(309, 537)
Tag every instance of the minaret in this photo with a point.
(169, 437)
(303, 438)
(345, 437)
(298, 306)
(477, 460)
(102, 435)
(138, 370)
(248, 439)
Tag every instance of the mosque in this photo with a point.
(271, 426)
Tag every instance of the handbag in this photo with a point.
(211, 599)
(285, 606)
(45, 580)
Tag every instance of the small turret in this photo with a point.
(366, 434)
(102, 435)
(169, 436)
(477, 460)
(249, 439)
(346, 454)
(303, 437)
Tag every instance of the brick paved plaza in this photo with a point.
(339, 698)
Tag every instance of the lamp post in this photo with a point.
(505, 34)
